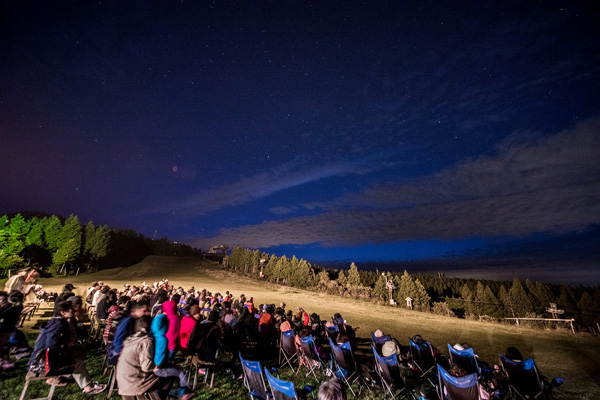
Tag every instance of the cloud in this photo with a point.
(533, 184)
(259, 186)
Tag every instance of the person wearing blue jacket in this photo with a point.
(55, 335)
(159, 328)
(125, 329)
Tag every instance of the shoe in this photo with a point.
(202, 371)
(96, 388)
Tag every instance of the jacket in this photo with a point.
(159, 327)
(55, 335)
(135, 365)
(187, 326)
(170, 309)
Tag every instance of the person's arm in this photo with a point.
(147, 356)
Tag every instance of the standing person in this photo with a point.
(55, 336)
(16, 281)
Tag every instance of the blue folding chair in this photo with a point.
(422, 355)
(524, 381)
(310, 358)
(465, 359)
(453, 388)
(283, 390)
(254, 380)
(378, 342)
(388, 370)
(287, 349)
(345, 366)
(332, 332)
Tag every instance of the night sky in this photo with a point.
(463, 132)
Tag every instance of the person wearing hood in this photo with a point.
(160, 327)
(170, 310)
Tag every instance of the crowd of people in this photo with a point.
(148, 330)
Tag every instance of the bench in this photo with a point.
(28, 310)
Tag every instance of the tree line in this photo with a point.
(55, 245)
(463, 298)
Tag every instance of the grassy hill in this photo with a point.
(557, 353)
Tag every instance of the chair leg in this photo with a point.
(24, 390)
(51, 393)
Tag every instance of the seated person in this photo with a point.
(135, 369)
(56, 336)
(164, 368)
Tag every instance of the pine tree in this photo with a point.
(520, 300)
(342, 280)
(406, 287)
(421, 297)
(467, 297)
(71, 238)
(52, 233)
(353, 276)
(380, 290)
(35, 236)
(18, 225)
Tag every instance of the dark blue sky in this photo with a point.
(338, 131)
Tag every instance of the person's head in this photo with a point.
(176, 298)
(123, 300)
(76, 302)
(195, 312)
(270, 310)
(457, 371)
(161, 297)
(332, 389)
(68, 288)
(105, 289)
(378, 333)
(343, 337)
(512, 353)
(111, 298)
(139, 309)
(213, 316)
(63, 309)
(143, 323)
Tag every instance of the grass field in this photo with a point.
(574, 357)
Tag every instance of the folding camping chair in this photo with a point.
(378, 342)
(452, 388)
(332, 332)
(388, 370)
(254, 380)
(465, 359)
(287, 349)
(282, 390)
(344, 365)
(524, 380)
(422, 355)
(310, 357)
